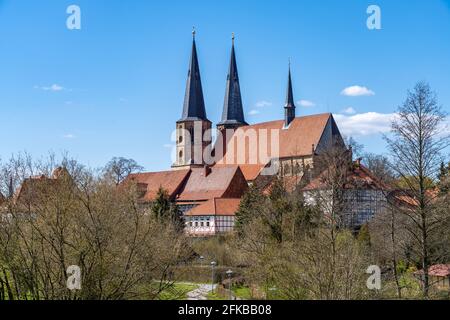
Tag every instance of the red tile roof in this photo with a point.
(438, 270)
(408, 199)
(191, 185)
(250, 171)
(295, 141)
(34, 187)
(150, 182)
(216, 207)
(222, 181)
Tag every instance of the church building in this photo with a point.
(208, 179)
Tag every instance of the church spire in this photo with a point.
(193, 128)
(289, 107)
(233, 112)
(194, 104)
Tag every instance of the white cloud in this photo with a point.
(357, 91)
(306, 103)
(374, 123)
(263, 103)
(253, 112)
(54, 88)
(349, 110)
(364, 124)
(445, 127)
(69, 136)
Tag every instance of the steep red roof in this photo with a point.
(295, 141)
(216, 207)
(250, 171)
(219, 182)
(150, 182)
(192, 185)
(34, 187)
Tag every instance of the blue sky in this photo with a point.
(116, 87)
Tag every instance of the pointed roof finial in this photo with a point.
(194, 104)
(193, 32)
(232, 37)
(289, 107)
(233, 111)
(289, 94)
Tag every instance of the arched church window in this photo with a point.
(191, 133)
(180, 154)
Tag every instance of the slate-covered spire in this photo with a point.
(194, 104)
(289, 107)
(233, 112)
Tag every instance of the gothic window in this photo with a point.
(191, 133)
(180, 139)
(180, 154)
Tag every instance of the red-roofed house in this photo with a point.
(215, 216)
(36, 188)
(439, 276)
(149, 183)
(364, 195)
(189, 188)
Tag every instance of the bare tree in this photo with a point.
(66, 215)
(379, 165)
(415, 145)
(119, 168)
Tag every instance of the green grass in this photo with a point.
(242, 292)
(178, 291)
(215, 296)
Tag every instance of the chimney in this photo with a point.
(207, 170)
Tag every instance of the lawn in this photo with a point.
(242, 292)
(178, 291)
(215, 296)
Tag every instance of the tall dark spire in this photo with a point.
(289, 107)
(233, 112)
(194, 104)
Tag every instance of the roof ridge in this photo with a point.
(281, 120)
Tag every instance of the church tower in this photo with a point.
(193, 125)
(289, 107)
(233, 112)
